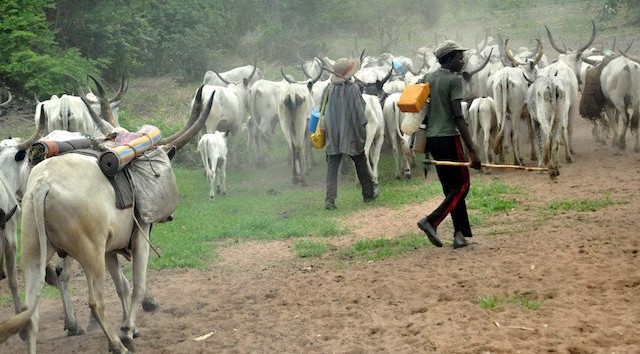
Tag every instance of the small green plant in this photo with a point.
(527, 301)
(308, 248)
(489, 302)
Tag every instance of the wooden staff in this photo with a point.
(487, 165)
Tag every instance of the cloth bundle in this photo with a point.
(45, 149)
(128, 147)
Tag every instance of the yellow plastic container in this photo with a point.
(414, 97)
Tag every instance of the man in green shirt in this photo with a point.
(446, 129)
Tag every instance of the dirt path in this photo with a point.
(583, 267)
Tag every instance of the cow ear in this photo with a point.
(466, 76)
(20, 155)
(172, 152)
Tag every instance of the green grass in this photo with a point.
(376, 249)
(309, 248)
(48, 292)
(527, 301)
(579, 205)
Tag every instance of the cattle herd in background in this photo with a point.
(507, 92)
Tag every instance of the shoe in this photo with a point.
(376, 193)
(330, 205)
(428, 229)
(459, 240)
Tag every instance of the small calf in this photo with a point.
(213, 149)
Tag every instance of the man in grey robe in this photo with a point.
(345, 127)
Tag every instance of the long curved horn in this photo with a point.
(629, 46)
(629, 57)
(315, 79)
(124, 86)
(386, 78)
(528, 79)
(593, 38)
(196, 109)
(247, 80)
(553, 42)
(41, 122)
(222, 78)
(184, 138)
(7, 101)
(105, 107)
(102, 124)
(540, 52)
(286, 77)
(484, 63)
(509, 54)
(590, 61)
(35, 96)
(362, 57)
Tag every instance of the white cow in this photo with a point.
(375, 134)
(233, 75)
(509, 95)
(549, 102)
(68, 209)
(620, 82)
(400, 143)
(69, 112)
(213, 150)
(294, 109)
(229, 108)
(9, 215)
(263, 100)
(484, 124)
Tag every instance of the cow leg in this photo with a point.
(222, 176)
(213, 162)
(10, 252)
(120, 281)
(140, 248)
(94, 269)
(374, 157)
(63, 271)
(635, 121)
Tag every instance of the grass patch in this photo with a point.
(381, 248)
(527, 301)
(579, 205)
(48, 292)
(308, 248)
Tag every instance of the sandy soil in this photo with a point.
(258, 298)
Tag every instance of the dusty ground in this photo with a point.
(258, 298)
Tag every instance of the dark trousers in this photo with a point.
(455, 183)
(333, 164)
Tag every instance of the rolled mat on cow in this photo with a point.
(128, 147)
(41, 150)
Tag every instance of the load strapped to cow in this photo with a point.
(140, 173)
(592, 101)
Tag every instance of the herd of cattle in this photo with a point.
(63, 200)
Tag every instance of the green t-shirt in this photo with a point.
(446, 87)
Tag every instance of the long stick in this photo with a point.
(487, 165)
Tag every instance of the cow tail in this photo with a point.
(497, 144)
(17, 322)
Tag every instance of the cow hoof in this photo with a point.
(150, 305)
(128, 343)
(2, 275)
(74, 331)
(23, 335)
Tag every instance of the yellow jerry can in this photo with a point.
(414, 97)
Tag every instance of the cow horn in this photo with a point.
(386, 78)
(105, 107)
(315, 79)
(484, 63)
(362, 57)
(286, 77)
(35, 96)
(253, 72)
(629, 57)
(124, 85)
(593, 37)
(540, 52)
(184, 138)
(590, 61)
(528, 79)
(222, 78)
(3, 104)
(193, 116)
(553, 42)
(102, 124)
(629, 46)
(509, 54)
(41, 122)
